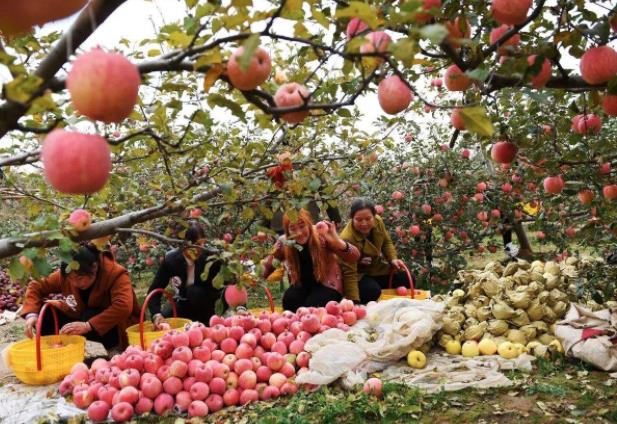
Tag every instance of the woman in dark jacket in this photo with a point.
(195, 297)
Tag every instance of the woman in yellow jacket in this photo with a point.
(363, 280)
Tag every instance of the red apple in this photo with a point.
(553, 185)
(457, 29)
(80, 219)
(457, 121)
(503, 152)
(235, 295)
(394, 95)
(610, 191)
(214, 402)
(598, 65)
(103, 86)
(197, 408)
(292, 95)
(121, 412)
(428, 6)
(609, 104)
(539, 79)
(76, 163)
(19, 17)
(511, 12)
(355, 27)
(511, 42)
(163, 404)
(456, 80)
(257, 72)
(98, 411)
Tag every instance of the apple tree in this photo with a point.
(243, 109)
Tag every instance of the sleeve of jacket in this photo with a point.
(388, 247)
(277, 253)
(350, 279)
(121, 306)
(351, 254)
(38, 290)
(161, 280)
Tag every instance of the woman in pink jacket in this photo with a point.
(310, 258)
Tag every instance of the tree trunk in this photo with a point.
(525, 251)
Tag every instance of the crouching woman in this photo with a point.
(311, 258)
(98, 301)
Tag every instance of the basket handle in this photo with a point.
(142, 314)
(270, 299)
(409, 278)
(39, 324)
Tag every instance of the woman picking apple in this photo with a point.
(195, 297)
(310, 256)
(98, 299)
(363, 280)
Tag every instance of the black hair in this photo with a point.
(194, 232)
(86, 255)
(360, 203)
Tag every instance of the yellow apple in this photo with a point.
(507, 350)
(453, 347)
(487, 347)
(520, 348)
(280, 77)
(556, 346)
(470, 349)
(416, 359)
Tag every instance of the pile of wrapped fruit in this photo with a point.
(509, 309)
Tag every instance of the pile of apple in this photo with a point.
(11, 293)
(235, 361)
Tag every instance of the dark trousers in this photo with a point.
(370, 286)
(199, 304)
(318, 295)
(109, 339)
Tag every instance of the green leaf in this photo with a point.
(320, 17)
(206, 273)
(435, 33)
(42, 266)
(362, 10)
(247, 213)
(16, 270)
(404, 50)
(479, 74)
(315, 184)
(477, 121)
(250, 45)
(179, 39)
(218, 281)
(22, 88)
(345, 113)
(219, 307)
(208, 58)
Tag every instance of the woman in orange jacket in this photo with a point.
(98, 299)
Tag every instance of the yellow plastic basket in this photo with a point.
(272, 308)
(416, 294)
(142, 334)
(46, 359)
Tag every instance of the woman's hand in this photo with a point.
(332, 237)
(398, 264)
(76, 328)
(30, 326)
(157, 321)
